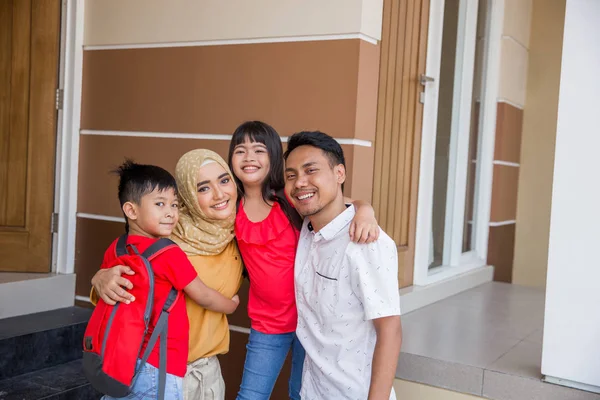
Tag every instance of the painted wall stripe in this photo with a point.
(512, 103)
(503, 223)
(203, 136)
(239, 329)
(101, 217)
(83, 298)
(511, 38)
(226, 42)
(506, 163)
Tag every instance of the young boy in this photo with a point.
(148, 197)
(346, 293)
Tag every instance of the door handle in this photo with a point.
(424, 79)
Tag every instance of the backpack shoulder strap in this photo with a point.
(121, 247)
(158, 247)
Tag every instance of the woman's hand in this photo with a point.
(110, 285)
(364, 227)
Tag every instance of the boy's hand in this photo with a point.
(110, 285)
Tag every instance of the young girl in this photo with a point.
(267, 229)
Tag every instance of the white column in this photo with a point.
(571, 349)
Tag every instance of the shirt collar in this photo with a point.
(334, 227)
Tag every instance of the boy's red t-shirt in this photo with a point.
(171, 269)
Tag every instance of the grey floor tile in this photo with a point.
(500, 386)
(459, 346)
(524, 360)
(537, 336)
(446, 375)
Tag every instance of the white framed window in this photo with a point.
(457, 138)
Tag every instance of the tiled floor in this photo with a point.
(486, 341)
(475, 327)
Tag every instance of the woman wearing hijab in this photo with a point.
(205, 232)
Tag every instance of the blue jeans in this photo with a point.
(264, 359)
(146, 386)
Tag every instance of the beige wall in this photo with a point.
(115, 22)
(406, 390)
(514, 54)
(538, 142)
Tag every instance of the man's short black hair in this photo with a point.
(137, 180)
(320, 140)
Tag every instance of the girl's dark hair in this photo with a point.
(272, 187)
(137, 180)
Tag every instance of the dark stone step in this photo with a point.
(61, 382)
(33, 342)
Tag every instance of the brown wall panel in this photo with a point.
(240, 316)
(368, 84)
(359, 184)
(98, 155)
(509, 126)
(501, 250)
(504, 193)
(211, 89)
(232, 367)
(93, 238)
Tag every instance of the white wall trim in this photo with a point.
(503, 223)
(166, 135)
(512, 39)
(100, 217)
(203, 136)
(239, 329)
(69, 141)
(83, 298)
(225, 42)
(512, 103)
(506, 163)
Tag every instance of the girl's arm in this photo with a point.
(363, 227)
(210, 298)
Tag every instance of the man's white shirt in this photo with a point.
(340, 288)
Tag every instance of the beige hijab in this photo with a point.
(195, 233)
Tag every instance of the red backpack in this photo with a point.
(115, 334)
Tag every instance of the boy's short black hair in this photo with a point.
(137, 180)
(320, 140)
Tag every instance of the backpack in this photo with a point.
(115, 334)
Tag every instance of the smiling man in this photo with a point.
(346, 293)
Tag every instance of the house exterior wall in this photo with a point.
(511, 103)
(538, 143)
(162, 78)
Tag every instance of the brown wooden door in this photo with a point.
(399, 117)
(29, 59)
